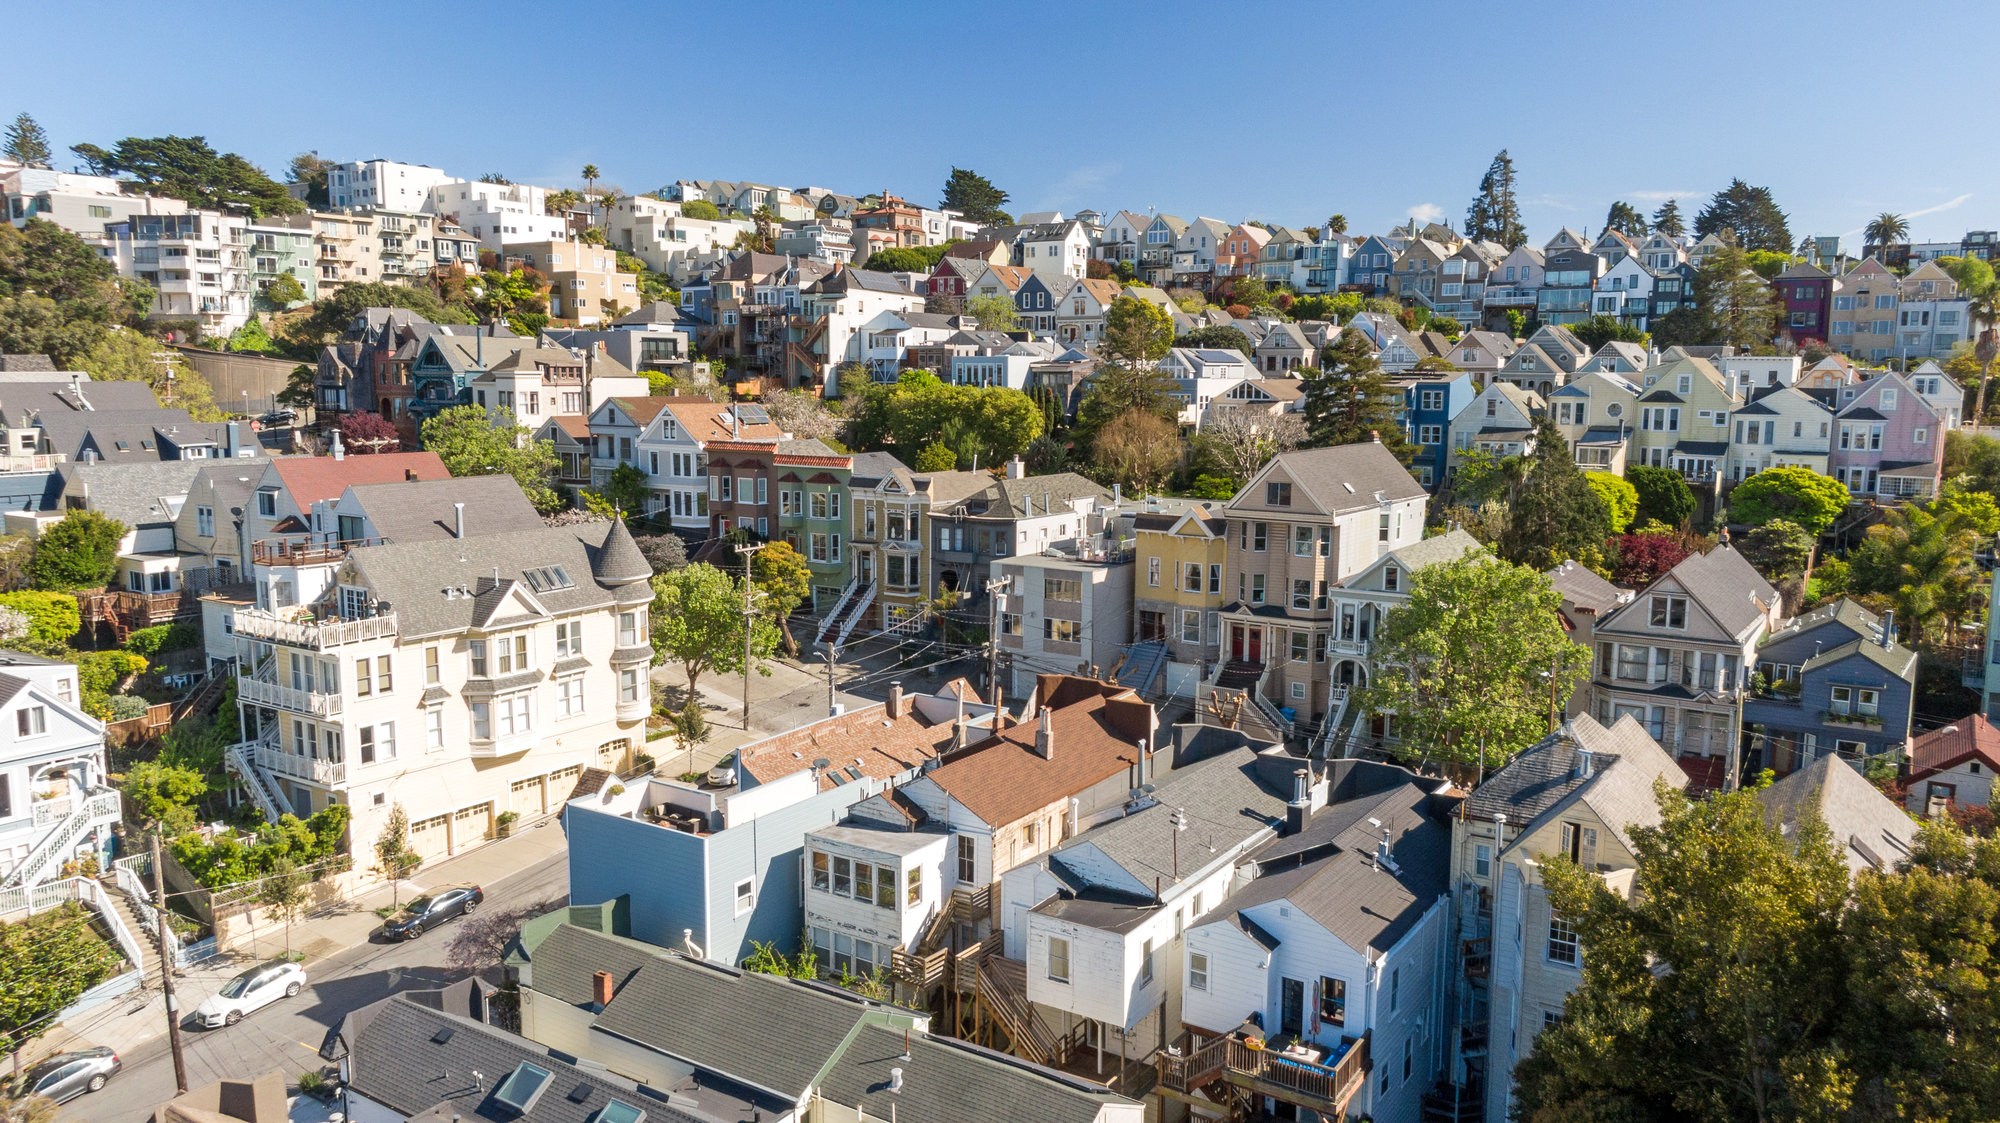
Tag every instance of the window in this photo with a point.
(1395, 989)
(628, 629)
(1278, 494)
(1302, 541)
(569, 638)
(1215, 578)
(1301, 643)
(914, 886)
(1190, 625)
(362, 681)
(430, 666)
(1562, 940)
(1256, 588)
(1197, 971)
(1062, 589)
(1332, 1000)
(1146, 962)
(1259, 533)
(1193, 577)
(1392, 578)
(204, 521)
(476, 650)
(628, 686)
(1408, 1044)
(966, 867)
(383, 680)
(1062, 631)
(434, 729)
(1153, 572)
(569, 697)
(821, 879)
(1482, 860)
(1059, 959)
(1669, 612)
(32, 721)
(267, 504)
(482, 721)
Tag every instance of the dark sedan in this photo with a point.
(433, 909)
(66, 1076)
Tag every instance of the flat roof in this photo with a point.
(901, 843)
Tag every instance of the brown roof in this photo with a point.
(1969, 738)
(1013, 276)
(980, 248)
(643, 410)
(866, 740)
(703, 420)
(574, 424)
(312, 478)
(1096, 727)
(1106, 291)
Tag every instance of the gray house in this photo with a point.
(1833, 681)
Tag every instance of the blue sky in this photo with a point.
(1271, 110)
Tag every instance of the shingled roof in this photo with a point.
(1096, 729)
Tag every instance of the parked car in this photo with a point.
(65, 1076)
(724, 773)
(249, 992)
(433, 909)
(278, 417)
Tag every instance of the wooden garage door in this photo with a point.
(431, 838)
(530, 797)
(471, 826)
(563, 782)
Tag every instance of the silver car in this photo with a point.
(65, 1076)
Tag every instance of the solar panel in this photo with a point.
(752, 414)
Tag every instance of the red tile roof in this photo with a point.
(313, 478)
(1969, 738)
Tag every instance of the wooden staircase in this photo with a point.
(1002, 992)
(149, 944)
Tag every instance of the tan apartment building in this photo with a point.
(584, 281)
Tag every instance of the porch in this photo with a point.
(1238, 1070)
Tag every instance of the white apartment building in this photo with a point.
(55, 804)
(460, 678)
(199, 263)
(668, 241)
(80, 204)
(498, 213)
(383, 183)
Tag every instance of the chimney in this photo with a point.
(1385, 854)
(1145, 763)
(895, 706)
(1585, 759)
(1016, 469)
(1301, 804)
(339, 453)
(1889, 628)
(1045, 736)
(601, 989)
(1375, 436)
(232, 438)
(896, 1080)
(409, 475)
(458, 519)
(1117, 493)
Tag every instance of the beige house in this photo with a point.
(460, 678)
(584, 281)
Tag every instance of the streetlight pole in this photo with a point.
(167, 968)
(744, 551)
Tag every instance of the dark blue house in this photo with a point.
(1430, 400)
(1834, 680)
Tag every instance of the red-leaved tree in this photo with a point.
(364, 433)
(1642, 558)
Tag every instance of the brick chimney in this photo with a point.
(1045, 736)
(601, 989)
(895, 704)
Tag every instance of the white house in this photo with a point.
(55, 803)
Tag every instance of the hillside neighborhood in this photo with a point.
(739, 651)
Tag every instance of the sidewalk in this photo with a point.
(140, 1017)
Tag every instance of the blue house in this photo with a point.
(1374, 260)
(721, 867)
(1834, 681)
(1430, 400)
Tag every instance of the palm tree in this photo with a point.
(1337, 223)
(590, 177)
(1984, 308)
(1887, 228)
(561, 201)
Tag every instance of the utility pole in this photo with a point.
(993, 594)
(744, 551)
(1732, 778)
(832, 657)
(167, 969)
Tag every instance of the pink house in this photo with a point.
(1888, 443)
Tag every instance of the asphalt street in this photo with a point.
(286, 1035)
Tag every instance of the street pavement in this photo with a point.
(526, 871)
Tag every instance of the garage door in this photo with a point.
(562, 783)
(431, 838)
(529, 797)
(471, 826)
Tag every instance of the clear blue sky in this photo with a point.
(1277, 111)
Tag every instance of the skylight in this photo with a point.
(522, 1087)
(618, 1111)
(548, 579)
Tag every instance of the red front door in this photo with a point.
(1256, 645)
(1236, 642)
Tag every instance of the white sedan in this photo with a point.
(250, 991)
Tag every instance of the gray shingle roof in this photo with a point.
(1625, 762)
(421, 510)
(944, 1079)
(1226, 803)
(414, 577)
(1868, 830)
(135, 493)
(1729, 587)
(1346, 477)
(1008, 499)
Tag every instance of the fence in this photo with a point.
(229, 375)
(50, 894)
(134, 730)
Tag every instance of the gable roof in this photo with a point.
(1729, 587)
(420, 510)
(1003, 778)
(428, 581)
(944, 1078)
(865, 740)
(1226, 802)
(1971, 737)
(1344, 478)
(1625, 762)
(1869, 831)
(135, 493)
(641, 411)
(310, 479)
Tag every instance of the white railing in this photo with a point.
(46, 811)
(46, 896)
(54, 847)
(127, 875)
(272, 758)
(32, 461)
(1357, 647)
(253, 623)
(242, 761)
(854, 616)
(258, 692)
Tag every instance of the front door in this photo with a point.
(865, 567)
(1236, 642)
(1255, 648)
(1291, 1006)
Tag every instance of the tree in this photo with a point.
(52, 620)
(975, 197)
(298, 391)
(909, 259)
(1602, 329)
(1554, 515)
(1466, 663)
(28, 1109)
(663, 551)
(473, 444)
(394, 857)
(1495, 216)
(784, 581)
(307, 168)
(125, 355)
(1780, 549)
(1749, 215)
(624, 490)
(284, 892)
(1349, 400)
(1976, 511)
(367, 433)
(479, 942)
(1638, 560)
(1663, 495)
(1735, 301)
(994, 313)
(701, 209)
(691, 728)
(1712, 991)
(1242, 440)
(1251, 292)
(698, 623)
(1337, 223)
(79, 552)
(58, 295)
(331, 315)
(164, 794)
(1138, 448)
(1883, 231)
(1800, 496)
(589, 178)
(46, 962)
(284, 291)
(1921, 559)
(1667, 220)
(1219, 337)
(186, 168)
(936, 457)
(1136, 332)
(1626, 220)
(803, 414)
(27, 143)
(1621, 500)
(1115, 389)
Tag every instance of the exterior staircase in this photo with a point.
(844, 611)
(204, 699)
(45, 861)
(855, 614)
(1003, 994)
(1143, 664)
(149, 945)
(242, 760)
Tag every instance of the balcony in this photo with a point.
(1281, 1074)
(301, 551)
(318, 635)
(98, 804)
(272, 758)
(507, 744)
(276, 696)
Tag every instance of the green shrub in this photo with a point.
(161, 638)
(53, 619)
(228, 861)
(80, 552)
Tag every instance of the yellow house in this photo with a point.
(1178, 581)
(1683, 424)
